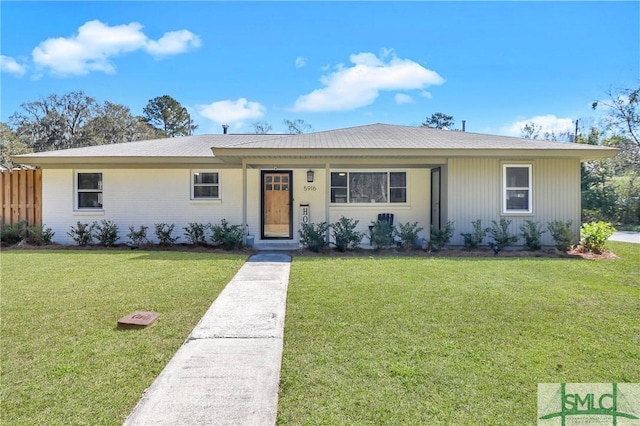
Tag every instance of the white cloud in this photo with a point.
(173, 42)
(547, 123)
(403, 98)
(301, 62)
(232, 112)
(92, 48)
(349, 88)
(11, 66)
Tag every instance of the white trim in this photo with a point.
(79, 209)
(192, 184)
(505, 188)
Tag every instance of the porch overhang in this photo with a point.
(236, 155)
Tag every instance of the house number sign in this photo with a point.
(305, 214)
(310, 188)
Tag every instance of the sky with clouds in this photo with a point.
(496, 65)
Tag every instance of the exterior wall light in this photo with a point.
(310, 176)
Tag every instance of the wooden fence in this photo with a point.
(21, 196)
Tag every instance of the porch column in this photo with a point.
(244, 198)
(327, 201)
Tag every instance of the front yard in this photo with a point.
(372, 341)
(368, 340)
(63, 361)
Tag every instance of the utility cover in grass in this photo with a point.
(138, 319)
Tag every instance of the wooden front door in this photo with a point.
(276, 205)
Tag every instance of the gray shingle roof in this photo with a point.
(368, 137)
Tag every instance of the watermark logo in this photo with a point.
(574, 404)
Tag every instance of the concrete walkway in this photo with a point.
(228, 369)
(626, 237)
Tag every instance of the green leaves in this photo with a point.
(168, 115)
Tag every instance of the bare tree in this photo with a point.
(297, 126)
(54, 122)
(261, 127)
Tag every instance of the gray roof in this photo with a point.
(379, 138)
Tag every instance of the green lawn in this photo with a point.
(63, 362)
(372, 341)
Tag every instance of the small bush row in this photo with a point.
(383, 235)
(36, 235)
(345, 237)
(106, 233)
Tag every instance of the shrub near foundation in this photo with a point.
(106, 232)
(312, 235)
(228, 236)
(345, 235)
(594, 235)
(474, 239)
(561, 234)
(408, 234)
(532, 234)
(82, 233)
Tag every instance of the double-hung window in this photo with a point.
(517, 188)
(368, 187)
(205, 185)
(88, 190)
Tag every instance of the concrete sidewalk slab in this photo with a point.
(228, 369)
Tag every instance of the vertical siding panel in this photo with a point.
(475, 192)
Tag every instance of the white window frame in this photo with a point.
(505, 188)
(193, 185)
(77, 191)
(388, 172)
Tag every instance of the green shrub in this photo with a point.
(474, 239)
(228, 236)
(82, 233)
(408, 234)
(195, 233)
(381, 234)
(139, 237)
(163, 233)
(106, 232)
(13, 234)
(532, 234)
(594, 235)
(440, 237)
(344, 234)
(561, 233)
(39, 235)
(500, 234)
(313, 235)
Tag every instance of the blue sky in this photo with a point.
(496, 65)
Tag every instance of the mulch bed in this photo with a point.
(328, 252)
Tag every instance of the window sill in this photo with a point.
(375, 205)
(88, 212)
(206, 201)
(516, 214)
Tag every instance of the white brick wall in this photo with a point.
(134, 197)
